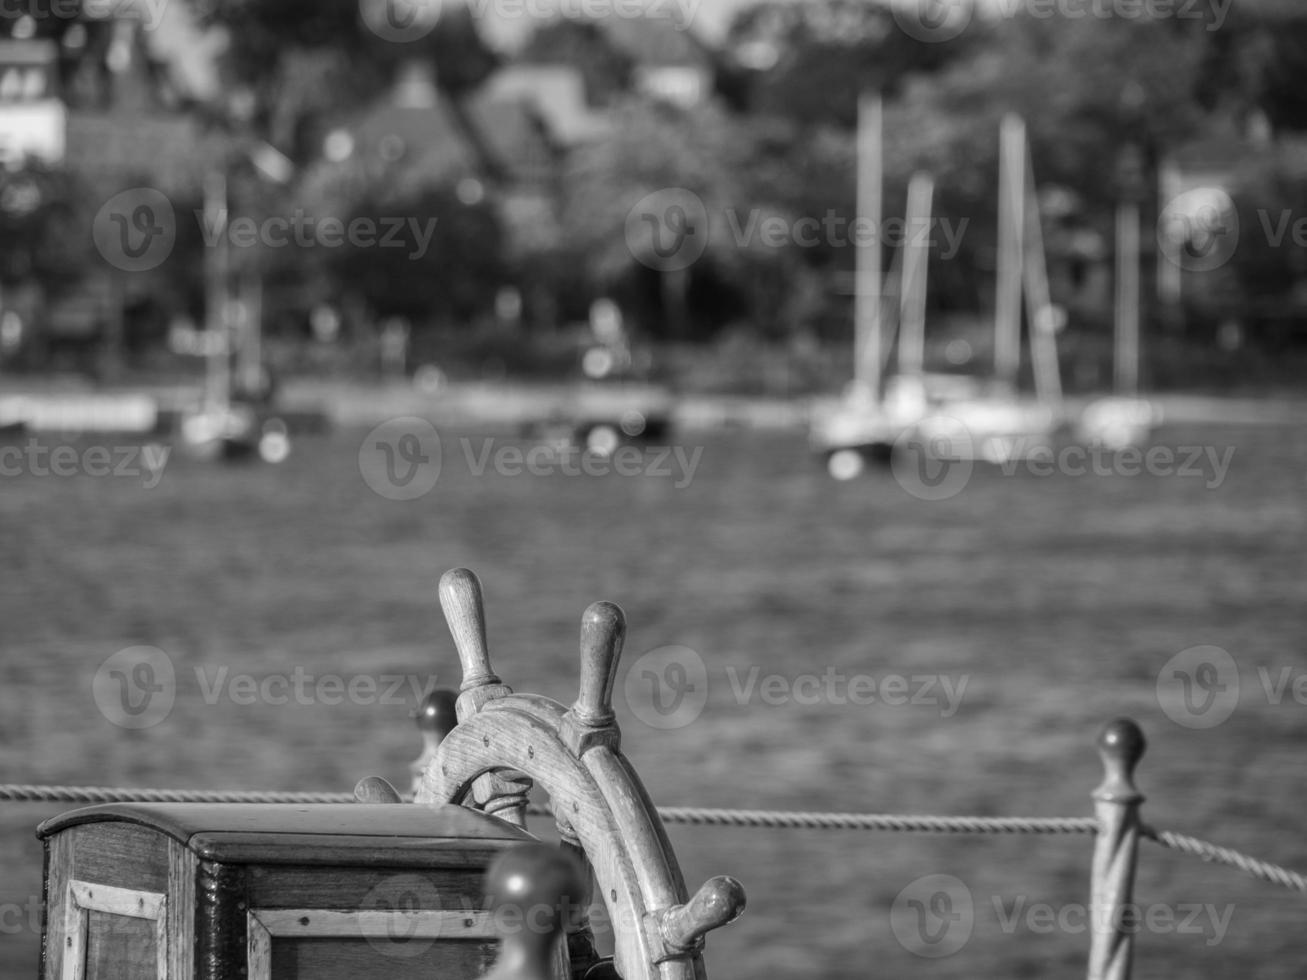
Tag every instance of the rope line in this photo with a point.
(710, 817)
(911, 823)
(28, 793)
(1215, 854)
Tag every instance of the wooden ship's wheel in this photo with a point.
(504, 743)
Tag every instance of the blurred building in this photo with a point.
(33, 118)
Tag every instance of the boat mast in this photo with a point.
(1011, 215)
(1039, 303)
(912, 315)
(867, 256)
(1125, 366)
(217, 297)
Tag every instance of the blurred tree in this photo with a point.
(41, 236)
(1091, 91)
(290, 61)
(810, 61)
(659, 166)
(584, 45)
(1257, 60)
(1266, 280)
(445, 264)
(1085, 89)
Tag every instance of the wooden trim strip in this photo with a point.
(421, 923)
(264, 924)
(84, 897)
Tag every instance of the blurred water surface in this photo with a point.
(1055, 600)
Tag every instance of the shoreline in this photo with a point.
(351, 404)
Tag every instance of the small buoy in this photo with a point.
(274, 443)
(845, 464)
(633, 423)
(429, 379)
(602, 440)
(598, 362)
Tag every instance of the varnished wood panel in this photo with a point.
(357, 959)
(289, 886)
(60, 861)
(390, 935)
(379, 851)
(220, 922)
(181, 912)
(103, 923)
(120, 947)
(119, 854)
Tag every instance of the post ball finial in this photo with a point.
(1121, 745)
(534, 891)
(436, 715)
(460, 598)
(374, 789)
(603, 630)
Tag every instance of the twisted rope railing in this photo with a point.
(713, 817)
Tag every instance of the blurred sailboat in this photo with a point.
(1123, 419)
(997, 422)
(952, 416)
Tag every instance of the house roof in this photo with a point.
(427, 136)
(415, 126)
(555, 92)
(172, 152)
(658, 42)
(515, 135)
(28, 52)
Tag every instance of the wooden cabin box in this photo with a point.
(193, 891)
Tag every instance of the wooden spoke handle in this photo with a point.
(460, 598)
(719, 902)
(505, 741)
(603, 630)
